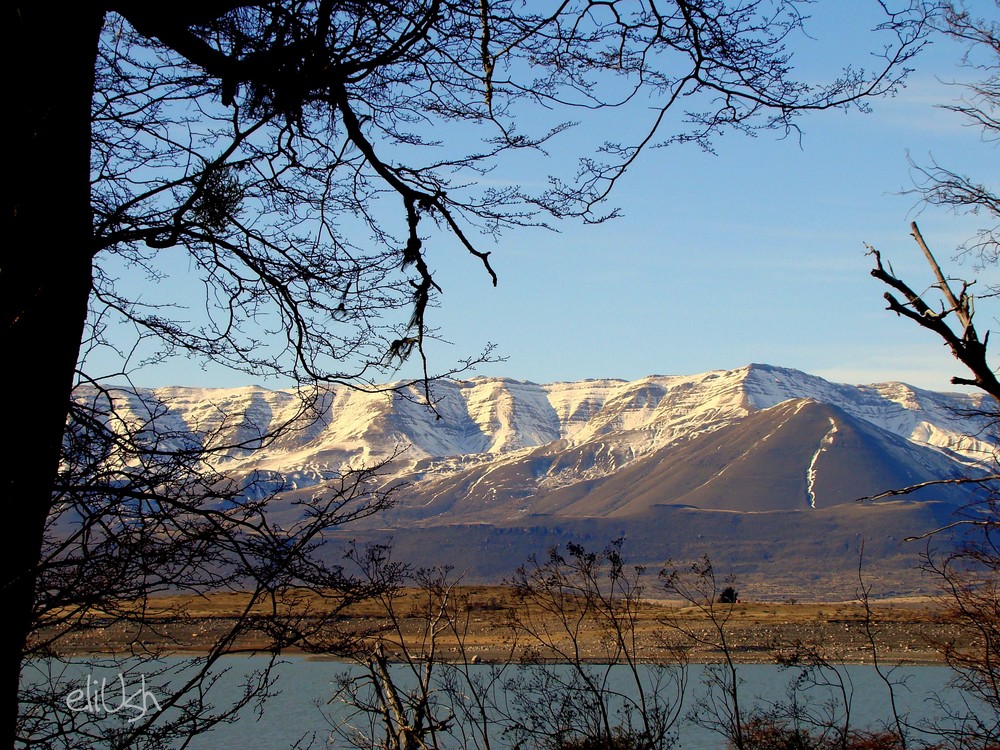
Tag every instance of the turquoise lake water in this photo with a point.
(302, 713)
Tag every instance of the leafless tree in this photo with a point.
(980, 108)
(570, 674)
(416, 683)
(816, 712)
(141, 514)
(606, 695)
(292, 159)
(969, 564)
(951, 320)
(720, 708)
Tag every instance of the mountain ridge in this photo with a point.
(519, 466)
(484, 419)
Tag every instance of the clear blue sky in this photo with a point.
(754, 254)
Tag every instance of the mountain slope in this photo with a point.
(484, 419)
(798, 455)
(749, 465)
(500, 448)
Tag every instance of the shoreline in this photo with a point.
(907, 631)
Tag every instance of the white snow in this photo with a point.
(824, 443)
(484, 419)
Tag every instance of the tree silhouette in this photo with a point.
(295, 157)
(968, 567)
(728, 595)
(142, 513)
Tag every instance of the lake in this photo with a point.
(307, 685)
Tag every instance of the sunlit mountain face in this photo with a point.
(664, 460)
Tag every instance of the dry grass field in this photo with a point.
(905, 631)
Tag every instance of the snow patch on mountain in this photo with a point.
(514, 414)
(576, 404)
(824, 443)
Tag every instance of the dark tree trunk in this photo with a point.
(45, 280)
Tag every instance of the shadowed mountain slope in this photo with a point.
(798, 455)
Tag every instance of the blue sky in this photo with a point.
(752, 254)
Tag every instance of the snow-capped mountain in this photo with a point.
(516, 465)
(489, 420)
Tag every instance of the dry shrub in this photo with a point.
(763, 733)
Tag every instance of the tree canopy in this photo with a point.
(304, 155)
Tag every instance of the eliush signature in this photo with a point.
(93, 698)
